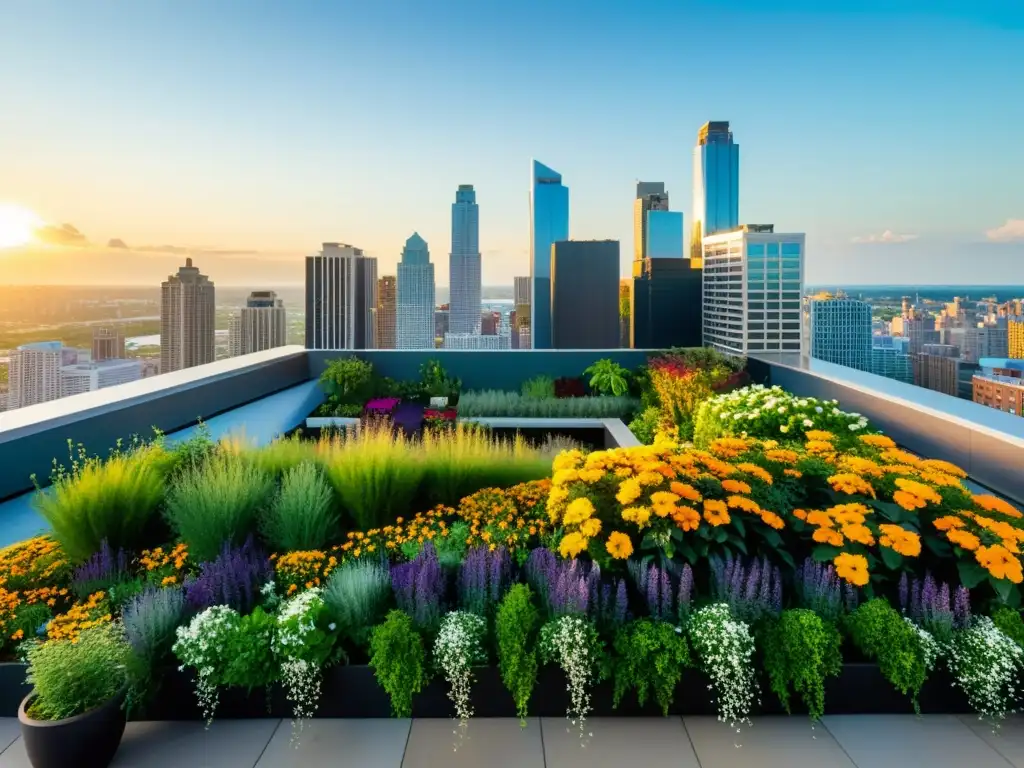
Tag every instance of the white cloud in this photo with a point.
(886, 237)
(1013, 229)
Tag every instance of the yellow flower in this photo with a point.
(909, 501)
(590, 476)
(755, 471)
(944, 467)
(820, 435)
(782, 456)
(565, 477)
(877, 441)
(900, 540)
(564, 460)
(684, 491)
(578, 511)
(851, 484)
(572, 544)
(590, 527)
(860, 466)
(629, 491)
(735, 486)
(619, 545)
(828, 536)
(924, 492)
(852, 568)
(716, 512)
(1000, 563)
(650, 477)
(993, 504)
(793, 472)
(664, 497)
(772, 520)
(638, 515)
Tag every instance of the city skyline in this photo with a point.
(855, 171)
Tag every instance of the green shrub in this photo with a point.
(150, 622)
(496, 404)
(645, 426)
(217, 503)
(539, 388)
(399, 661)
(249, 653)
(348, 381)
(882, 634)
(436, 382)
(71, 678)
(1008, 621)
(302, 516)
(115, 500)
(515, 629)
(608, 378)
(277, 457)
(800, 651)
(651, 656)
(357, 595)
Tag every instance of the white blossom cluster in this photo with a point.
(930, 648)
(295, 623)
(764, 411)
(199, 646)
(569, 641)
(301, 680)
(459, 646)
(726, 651)
(986, 665)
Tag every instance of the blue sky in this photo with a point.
(259, 125)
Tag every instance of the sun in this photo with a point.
(17, 225)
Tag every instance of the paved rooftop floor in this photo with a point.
(855, 741)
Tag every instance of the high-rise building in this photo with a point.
(549, 223)
(841, 332)
(522, 288)
(387, 312)
(261, 324)
(937, 372)
(650, 195)
(464, 264)
(918, 328)
(753, 283)
(716, 185)
(34, 374)
(585, 294)
(890, 357)
(665, 304)
(341, 298)
(490, 322)
(1015, 338)
(441, 318)
(477, 341)
(416, 296)
(90, 376)
(108, 343)
(665, 234)
(187, 319)
(940, 350)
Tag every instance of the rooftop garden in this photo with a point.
(760, 552)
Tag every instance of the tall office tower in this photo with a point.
(522, 288)
(585, 294)
(34, 374)
(187, 319)
(716, 185)
(665, 304)
(841, 332)
(477, 341)
(464, 264)
(441, 321)
(938, 373)
(1015, 338)
(549, 223)
(341, 298)
(108, 343)
(650, 195)
(753, 283)
(416, 296)
(261, 324)
(920, 330)
(940, 350)
(890, 357)
(235, 335)
(90, 376)
(490, 323)
(387, 312)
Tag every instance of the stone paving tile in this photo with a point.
(338, 744)
(618, 741)
(771, 742)
(898, 741)
(10, 731)
(1008, 741)
(490, 742)
(227, 744)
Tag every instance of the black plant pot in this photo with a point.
(13, 688)
(89, 740)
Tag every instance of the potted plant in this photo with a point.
(75, 714)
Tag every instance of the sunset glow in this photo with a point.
(17, 225)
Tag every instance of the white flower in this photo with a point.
(808, 423)
(819, 409)
(854, 427)
(784, 429)
(782, 409)
(986, 665)
(459, 646)
(726, 650)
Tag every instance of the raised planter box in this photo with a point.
(353, 692)
(331, 422)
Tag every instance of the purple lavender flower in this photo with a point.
(777, 592)
(621, 605)
(962, 608)
(685, 592)
(499, 574)
(665, 609)
(100, 571)
(420, 588)
(233, 579)
(850, 597)
(540, 570)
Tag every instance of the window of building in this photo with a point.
(791, 249)
(755, 250)
(773, 249)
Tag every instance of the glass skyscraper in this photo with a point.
(841, 331)
(716, 185)
(464, 264)
(415, 296)
(650, 195)
(664, 234)
(549, 223)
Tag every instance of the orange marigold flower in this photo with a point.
(897, 456)
(909, 501)
(861, 466)
(1000, 563)
(782, 456)
(735, 486)
(822, 519)
(947, 522)
(820, 448)
(753, 470)
(828, 536)
(729, 447)
(900, 540)
(684, 491)
(793, 472)
(877, 441)
(849, 483)
(619, 545)
(859, 534)
(716, 512)
(772, 520)
(994, 504)
(800, 514)
(743, 503)
(922, 491)
(852, 568)
(944, 467)
(686, 519)
(820, 435)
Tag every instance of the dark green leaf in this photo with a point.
(891, 558)
(938, 547)
(739, 543)
(825, 553)
(720, 535)
(971, 574)
(739, 525)
(1003, 588)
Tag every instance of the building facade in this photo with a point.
(665, 304)
(938, 373)
(341, 298)
(416, 296)
(522, 289)
(464, 264)
(261, 324)
(187, 319)
(1015, 338)
(33, 374)
(716, 185)
(387, 312)
(664, 234)
(841, 332)
(477, 341)
(650, 195)
(549, 223)
(1003, 392)
(108, 343)
(890, 357)
(752, 287)
(88, 377)
(585, 294)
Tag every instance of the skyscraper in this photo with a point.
(341, 298)
(665, 304)
(261, 324)
(522, 288)
(387, 312)
(549, 223)
(1015, 337)
(464, 264)
(890, 357)
(416, 296)
(187, 317)
(108, 343)
(650, 195)
(716, 185)
(585, 294)
(34, 374)
(841, 332)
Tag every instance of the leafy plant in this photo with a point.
(645, 425)
(608, 378)
(399, 661)
(275, 458)
(302, 516)
(725, 651)
(72, 677)
(234, 578)
(539, 388)
(515, 630)
(357, 594)
(1008, 621)
(987, 665)
(150, 622)
(348, 381)
(800, 651)
(251, 662)
(437, 383)
(650, 657)
(216, 503)
(494, 404)
(101, 571)
(460, 646)
(881, 633)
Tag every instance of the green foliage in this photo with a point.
(608, 378)
(249, 653)
(539, 388)
(800, 651)
(437, 383)
(357, 594)
(645, 426)
(494, 404)
(71, 678)
(650, 657)
(193, 451)
(277, 457)
(114, 500)
(882, 634)
(216, 503)
(302, 516)
(348, 381)
(399, 661)
(150, 622)
(515, 630)
(28, 619)
(1008, 621)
